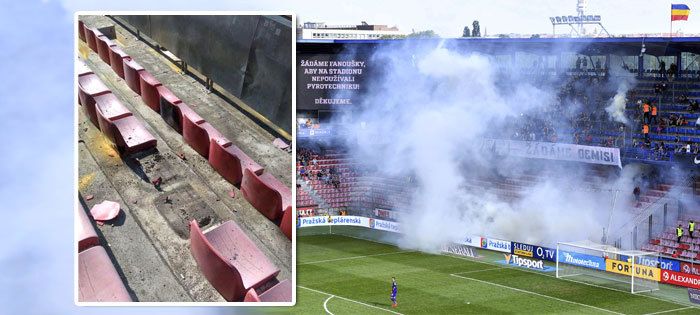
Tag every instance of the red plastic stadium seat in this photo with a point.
(91, 38)
(87, 237)
(197, 132)
(229, 161)
(149, 92)
(98, 280)
(89, 86)
(81, 30)
(231, 262)
(266, 193)
(103, 48)
(116, 60)
(287, 223)
(131, 75)
(281, 292)
(109, 109)
(131, 136)
(169, 108)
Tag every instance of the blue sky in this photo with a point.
(448, 17)
(36, 255)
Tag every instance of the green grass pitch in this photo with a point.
(344, 275)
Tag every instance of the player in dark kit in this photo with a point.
(394, 290)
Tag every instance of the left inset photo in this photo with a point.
(184, 173)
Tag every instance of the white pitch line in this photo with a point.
(538, 294)
(354, 257)
(325, 304)
(475, 271)
(349, 300)
(668, 311)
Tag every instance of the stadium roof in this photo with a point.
(657, 46)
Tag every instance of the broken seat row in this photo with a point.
(226, 256)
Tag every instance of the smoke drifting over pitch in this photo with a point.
(424, 117)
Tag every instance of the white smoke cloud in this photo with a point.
(616, 106)
(425, 116)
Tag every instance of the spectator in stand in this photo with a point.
(673, 120)
(302, 172)
(314, 161)
(672, 71)
(646, 109)
(653, 113)
(691, 228)
(679, 232)
(645, 131)
(694, 106)
(662, 69)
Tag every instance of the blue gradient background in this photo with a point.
(37, 155)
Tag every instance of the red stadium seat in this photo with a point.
(231, 262)
(89, 86)
(281, 292)
(131, 75)
(131, 136)
(103, 48)
(197, 132)
(109, 109)
(116, 60)
(98, 280)
(81, 30)
(87, 237)
(266, 193)
(229, 161)
(149, 92)
(287, 223)
(91, 38)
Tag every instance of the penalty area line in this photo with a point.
(537, 294)
(355, 257)
(346, 299)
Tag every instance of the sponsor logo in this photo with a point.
(690, 268)
(497, 245)
(387, 226)
(681, 279)
(484, 242)
(582, 260)
(639, 271)
(524, 262)
(523, 249)
(662, 263)
(472, 241)
(313, 221)
(694, 295)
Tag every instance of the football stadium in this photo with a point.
(498, 175)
